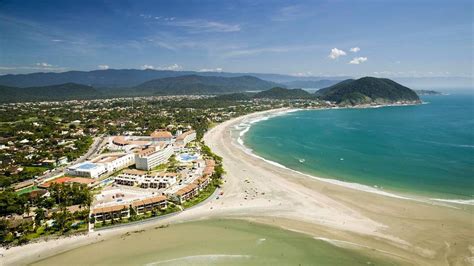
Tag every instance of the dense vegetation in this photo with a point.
(427, 92)
(67, 91)
(367, 90)
(19, 231)
(182, 85)
(194, 84)
(282, 93)
(313, 84)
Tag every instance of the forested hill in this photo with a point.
(67, 91)
(194, 84)
(282, 93)
(367, 90)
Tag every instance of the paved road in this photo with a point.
(94, 149)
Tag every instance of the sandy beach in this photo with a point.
(409, 231)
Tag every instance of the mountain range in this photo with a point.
(190, 85)
(347, 92)
(125, 78)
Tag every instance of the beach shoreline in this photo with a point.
(257, 190)
(427, 198)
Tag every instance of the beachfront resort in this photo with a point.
(136, 177)
(141, 174)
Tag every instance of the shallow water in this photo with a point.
(213, 242)
(424, 149)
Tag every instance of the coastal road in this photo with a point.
(93, 150)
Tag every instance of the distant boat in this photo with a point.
(302, 160)
(342, 159)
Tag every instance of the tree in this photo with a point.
(3, 230)
(40, 215)
(133, 213)
(11, 203)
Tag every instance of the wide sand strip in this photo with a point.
(409, 231)
(419, 232)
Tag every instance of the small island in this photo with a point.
(428, 92)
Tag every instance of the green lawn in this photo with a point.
(26, 190)
(160, 167)
(35, 169)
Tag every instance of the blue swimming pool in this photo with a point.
(87, 166)
(186, 157)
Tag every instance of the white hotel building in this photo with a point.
(101, 165)
(153, 156)
(86, 169)
(115, 162)
(185, 138)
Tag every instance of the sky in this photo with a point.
(411, 38)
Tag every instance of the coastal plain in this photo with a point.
(406, 231)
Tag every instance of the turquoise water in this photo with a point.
(424, 149)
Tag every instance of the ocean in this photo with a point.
(425, 150)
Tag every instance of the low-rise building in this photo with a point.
(89, 182)
(202, 182)
(111, 212)
(185, 138)
(148, 204)
(87, 169)
(62, 161)
(140, 206)
(161, 136)
(186, 193)
(145, 180)
(115, 162)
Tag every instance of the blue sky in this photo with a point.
(316, 38)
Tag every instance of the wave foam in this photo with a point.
(246, 124)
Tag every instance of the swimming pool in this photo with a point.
(87, 166)
(186, 157)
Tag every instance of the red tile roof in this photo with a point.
(185, 134)
(161, 134)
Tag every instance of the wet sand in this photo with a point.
(410, 232)
(213, 242)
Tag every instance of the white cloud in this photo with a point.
(200, 25)
(275, 49)
(196, 25)
(38, 66)
(173, 67)
(358, 60)
(335, 53)
(355, 49)
(303, 74)
(103, 67)
(217, 69)
(43, 64)
(148, 67)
